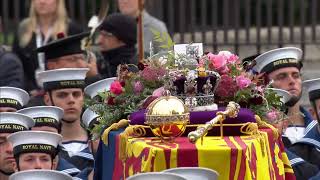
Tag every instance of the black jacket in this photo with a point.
(11, 71)
(107, 66)
(29, 58)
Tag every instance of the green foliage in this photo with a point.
(163, 39)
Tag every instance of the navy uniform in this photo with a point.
(90, 118)
(302, 169)
(308, 147)
(40, 174)
(50, 116)
(276, 59)
(75, 152)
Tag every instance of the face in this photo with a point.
(45, 7)
(28, 161)
(129, 7)
(70, 100)
(6, 154)
(7, 109)
(69, 61)
(108, 41)
(288, 79)
(45, 128)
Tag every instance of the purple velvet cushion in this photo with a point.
(244, 116)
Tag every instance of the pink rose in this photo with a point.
(116, 88)
(231, 58)
(158, 92)
(242, 81)
(219, 61)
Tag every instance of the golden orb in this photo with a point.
(168, 117)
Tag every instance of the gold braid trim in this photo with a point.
(130, 131)
(115, 126)
(265, 124)
(253, 130)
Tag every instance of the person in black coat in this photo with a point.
(117, 39)
(46, 20)
(11, 71)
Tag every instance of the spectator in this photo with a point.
(46, 19)
(11, 71)
(66, 53)
(117, 39)
(131, 8)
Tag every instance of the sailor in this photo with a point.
(308, 147)
(48, 118)
(282, 67)
(10, 122)
(90, 118)
(64, 89)
(40, 174)
(12, 99)
(35, 149)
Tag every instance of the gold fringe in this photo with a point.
(130, 131)
(253, 130)
(265, 124)
(115, 126)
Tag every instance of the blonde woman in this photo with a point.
(46, 19)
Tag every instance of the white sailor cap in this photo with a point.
(63, 78)
(13, 97)
(89, 118)
(11, 122)
(285, 96)
(278, 58)
(100, 86)
(44, 115)
(35, 142)
(313, 88)
(40, 174)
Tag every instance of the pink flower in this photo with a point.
(138, 87)
(227, 87)
(116, 88)
(243, 81)
(231, 58)
(152, 73)
(272, 115)
(259, 89)
(158, 92)
(218, 62)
